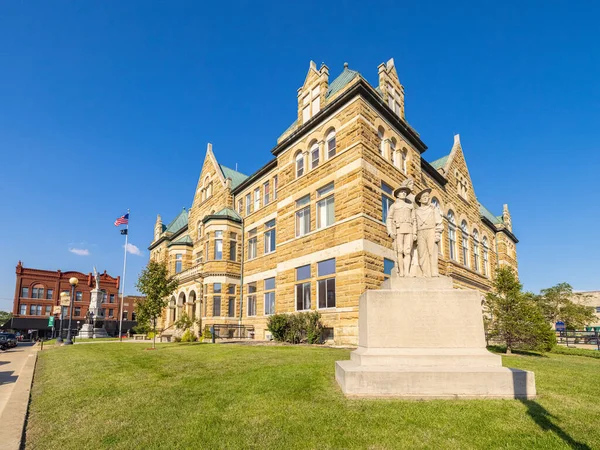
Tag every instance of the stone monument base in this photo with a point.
(420, 338)
(88, 331)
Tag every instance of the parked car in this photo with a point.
(11, 339)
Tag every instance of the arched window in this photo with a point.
(465, 243)
(192, 300)
(199, 230)
(452, 234)
(209, 190)
(331, 144)
(476, 249)
(314, 154)
(393, 155)
(299, 164)
(484, 243)
(380, 135)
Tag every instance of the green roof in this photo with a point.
(237, 178)
(185, 240)
(342, 80)
(488, 215)
(225, 213)
(439, 163)
(178, 223)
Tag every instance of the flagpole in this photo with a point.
(123, 281)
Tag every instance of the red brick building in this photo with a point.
(37, 292)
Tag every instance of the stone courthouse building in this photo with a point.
(307, 230)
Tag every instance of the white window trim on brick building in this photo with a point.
(303, 216)
(270, 237)
(325, 206)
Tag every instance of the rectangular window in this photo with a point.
(217, 288)
(37, 293)
(231, 307)
(232, 250)
(269, 296)
(465, 250)
(316, 100)
(125, 315)
(32, 310)
(325, 206)
(78, 296)
(248, 204)
(218, 245)
(303, 296)
(64, 311)
(38, 310)
(217, 306)
(25, 292)
(270, 236)
(388, 265)
(305, 114)
(386, 201)
(274, 187)
(485, 261)
(256, 199)
(252, 299)
(597, 309)
(48, 310)
(111, 313)
(231, 289)
(178, 262)
(111, 298)
(303, 216)
(303, 272)
(78, 312)
(22, 309)
(452, 241)
(103, 312)
(326, 287)
(326, 293)
(49, 294)
(266, 193)
(252, 241)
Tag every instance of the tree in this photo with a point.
(515, 317)
(557, 304)
(156, 284)
(5, 317)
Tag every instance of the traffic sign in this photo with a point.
(65, 300)
(51, 321)
(560, 326)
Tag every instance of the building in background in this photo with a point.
(590, 298)
(37, 293)
(307, 231)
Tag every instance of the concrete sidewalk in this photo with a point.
(16, 374)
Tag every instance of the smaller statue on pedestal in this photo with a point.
(429, 231)
(401, 225)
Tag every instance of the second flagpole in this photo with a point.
(123, 281)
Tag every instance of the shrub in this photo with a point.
(188, 336)
(277, 324)
(296, 328)
(176, 339)
(207, 334)
(150, 335)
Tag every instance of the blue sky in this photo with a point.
(106, 106)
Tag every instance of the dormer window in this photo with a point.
(393, 99)
(311, 104)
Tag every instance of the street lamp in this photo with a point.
(73, 282)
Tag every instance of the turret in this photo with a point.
(158, 227)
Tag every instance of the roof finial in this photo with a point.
(345, 65)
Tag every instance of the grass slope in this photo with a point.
(181, 396)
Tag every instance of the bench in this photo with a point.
(139, 337)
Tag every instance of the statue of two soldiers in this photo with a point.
(407, 225)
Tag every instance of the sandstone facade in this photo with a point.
(307, 231)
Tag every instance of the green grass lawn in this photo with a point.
(202, 396)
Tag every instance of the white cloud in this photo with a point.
(133, 250)
(80, 251)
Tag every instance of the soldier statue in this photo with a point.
(429, 231)
(401, 226)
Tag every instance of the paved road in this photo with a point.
(11, 363)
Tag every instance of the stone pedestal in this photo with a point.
(86, 331)
(420, 338)
(95, 330)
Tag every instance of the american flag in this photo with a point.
(123, 220)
